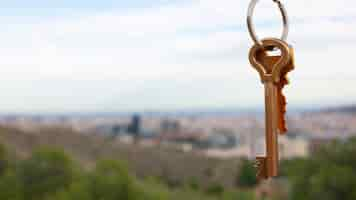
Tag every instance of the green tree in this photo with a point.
(152, 189)
(46, 172)
(10, 187)
(3, 159)
(111, 181)
(215, 189)
(238, 195)
(78, 190)
(330, 174)
(247, 174)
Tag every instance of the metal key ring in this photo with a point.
(250, 25)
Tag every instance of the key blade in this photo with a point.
(271, 117)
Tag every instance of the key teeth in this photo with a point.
(282, 100)
(260, 165)
(283, 109)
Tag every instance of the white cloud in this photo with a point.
(205, 41)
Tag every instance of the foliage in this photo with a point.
(50, 174)
(152, 189)
(329, 175)
(247, 174)
(3, 159)
(193, 184)
(10, 187)
(215, 189)
(240, 195)
(46, 172)
(110, 181)
(79, 189)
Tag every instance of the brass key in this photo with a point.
(269, 69)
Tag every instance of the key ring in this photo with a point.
(250, 25)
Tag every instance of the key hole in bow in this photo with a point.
(267, 57)
(273, 51)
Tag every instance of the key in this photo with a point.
(270, 69)
(282, 101)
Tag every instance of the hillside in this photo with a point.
(172, 166)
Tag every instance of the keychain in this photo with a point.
(273, 72)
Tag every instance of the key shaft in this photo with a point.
(271, 129)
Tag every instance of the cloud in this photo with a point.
(205, 41)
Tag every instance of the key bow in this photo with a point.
(258, 51)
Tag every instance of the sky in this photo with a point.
(141, 55)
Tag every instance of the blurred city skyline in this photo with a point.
(92, 56)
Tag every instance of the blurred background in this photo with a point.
(156, 100)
